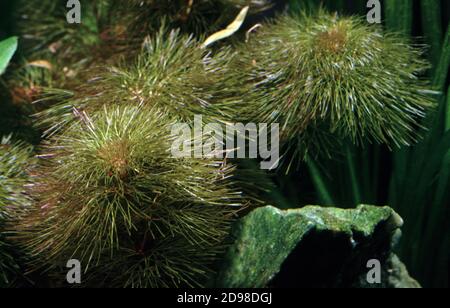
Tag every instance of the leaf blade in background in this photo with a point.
(399, 16)
(7, 49)
(442, 68)
(432, 28)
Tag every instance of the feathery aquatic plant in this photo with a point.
(337, 75)
(14, 159)
(109, 24)
(171, 73)
(108, 193)
(66, 56)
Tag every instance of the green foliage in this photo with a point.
(70, 48)
(14, 159)
(419, 179)
(108, 191)
(402, 23)
(111, 195)
(197, 16)
(432, 27)
(171, 73)
(336, 74)
(7, 49)
(113, 26)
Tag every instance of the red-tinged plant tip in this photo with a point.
(335, 74)
(108, 193)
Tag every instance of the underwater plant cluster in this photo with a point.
(100, 185)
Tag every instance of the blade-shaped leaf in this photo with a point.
(7, 49)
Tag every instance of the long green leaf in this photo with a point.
(447, 116)
(356, 192)
(432, 27)
(399, 16)
(7, 49)
(442, 68)
(321, 187)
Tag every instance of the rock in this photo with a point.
(313, 247)
(398, 276)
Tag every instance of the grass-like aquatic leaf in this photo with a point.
(7, 49)
(399, 16)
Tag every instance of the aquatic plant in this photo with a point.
(193, 16)
(14, 159)
(171, 72)
(108, 193)
(333, 74)
(106, 190)
(111, 25)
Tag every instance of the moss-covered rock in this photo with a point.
(312, 246)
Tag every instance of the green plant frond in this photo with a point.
(71, 48)
(110, 25)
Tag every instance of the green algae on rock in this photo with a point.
(312, 246)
